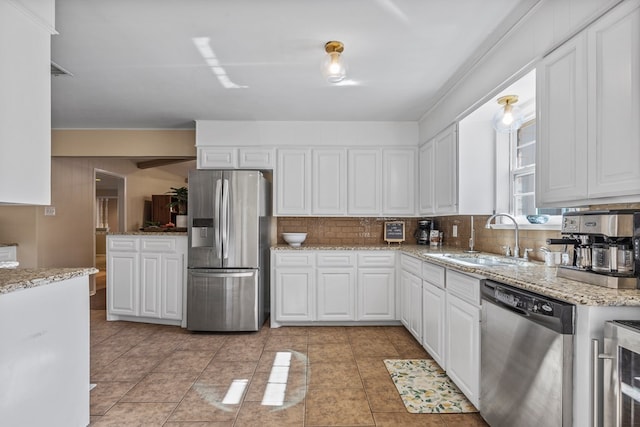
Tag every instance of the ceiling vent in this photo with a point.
(58, 71)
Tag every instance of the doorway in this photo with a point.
(109, 208)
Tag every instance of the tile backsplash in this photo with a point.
(369, 231)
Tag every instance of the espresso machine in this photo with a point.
(606, 247)
(422, 232)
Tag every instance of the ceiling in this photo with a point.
(135, 63)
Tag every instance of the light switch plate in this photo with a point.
(49, 211)
(454, 233)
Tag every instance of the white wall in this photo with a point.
(546, 26)
(279, 134)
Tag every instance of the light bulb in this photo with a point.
(507, 118)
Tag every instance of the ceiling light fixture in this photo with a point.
(334, 68)
(508, 118)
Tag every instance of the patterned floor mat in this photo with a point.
(425, 388)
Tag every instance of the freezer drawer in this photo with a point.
(224, 300)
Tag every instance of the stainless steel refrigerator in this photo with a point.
(229, 216)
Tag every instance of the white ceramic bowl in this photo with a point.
(294, 239)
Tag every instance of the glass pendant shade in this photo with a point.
(334, 68)
(509, 117)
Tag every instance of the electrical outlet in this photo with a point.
(49, 211)
(454, 233)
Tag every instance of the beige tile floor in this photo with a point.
(152, 375)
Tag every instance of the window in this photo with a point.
(522, 173)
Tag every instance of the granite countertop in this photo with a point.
(149, 233)
(13, 279)
(536, 277)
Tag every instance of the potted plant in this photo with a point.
(179, 199)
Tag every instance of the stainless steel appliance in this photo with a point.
(228, 261)
(606, 247)
(621, 398)
(526, 356)
(423, 231)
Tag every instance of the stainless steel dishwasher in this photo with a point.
(526, 358)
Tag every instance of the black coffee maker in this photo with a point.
(422, 232)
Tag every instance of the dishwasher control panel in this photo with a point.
(524, 302)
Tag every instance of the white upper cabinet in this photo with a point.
(214, 158)
(235, 158)
(614, 103)
(329, 182)
(293, 182)
(562, 124)
(426, 160)
(25, 103)
(352, 181)
(364, 170)
(398, 181)
(438, 174)
(588, 109)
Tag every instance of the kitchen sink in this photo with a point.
(482, 260)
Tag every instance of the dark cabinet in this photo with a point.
(160, 210)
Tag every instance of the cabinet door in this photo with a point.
(463, 346)
(336, 294)
(427, 178)
(376, 294)
(614, 103)
(123, 285)
(150, 284)
(294, 294)
(329, 182)
(293, 182)
(25, 103)
(405, 298)
(398, 181)
(214, 158)
(445, 169)
(171, 286)
(364, 182)
(561, 119)
(433, 322)
(415, 311)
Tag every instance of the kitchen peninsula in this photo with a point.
(44, 357)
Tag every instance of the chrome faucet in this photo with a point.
(516, 249)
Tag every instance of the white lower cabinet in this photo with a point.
(332, 286)
(411, 295)
(146, 276)
(294, 290)
(8, 253)
(376, 293)
(433, 322)
(462, 336)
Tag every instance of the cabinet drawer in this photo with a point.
(433, 274)
(295, 259)
(336, 259)
(158, 245)
(377, 259)
(464, 286)
(411, 264)
(123, 244)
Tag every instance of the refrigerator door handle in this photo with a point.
(217, 216)
(225, 219)
(233, 274)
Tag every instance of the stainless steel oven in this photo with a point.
(621, 382)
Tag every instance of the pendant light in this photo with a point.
(334, 68)
(508, 118)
